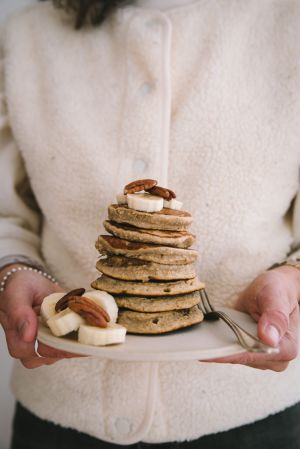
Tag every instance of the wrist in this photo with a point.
(9, 267)
(9, 271)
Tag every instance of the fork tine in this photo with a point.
(200, 306)
(211, 308)
(203, 300)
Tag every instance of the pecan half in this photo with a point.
(139, 185)
(166, 194)
(89, 310)
(62, 304)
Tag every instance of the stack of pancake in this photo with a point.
(148, 266)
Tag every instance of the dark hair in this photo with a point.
(93, 12)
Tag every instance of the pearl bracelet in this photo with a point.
(24, 268)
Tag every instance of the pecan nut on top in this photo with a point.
(164, 193)
(139, 185)
(62, 304)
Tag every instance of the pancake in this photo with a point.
(158, 304)
(178, 239)
(119, 287)
(130, 269)
(159, 322)
(166, 219)
(107, 244)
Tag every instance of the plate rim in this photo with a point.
(129, 354)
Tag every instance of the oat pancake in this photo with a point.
(158, 304)
(166, 219)
(130, 269)
(154, 288)
(107, 244)
(178, 239)
(159, 322)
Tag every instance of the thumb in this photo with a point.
(272, 326)
(25, 325)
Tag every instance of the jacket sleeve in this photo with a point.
(20, 219)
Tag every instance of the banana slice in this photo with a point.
(48, 306)
(65, 322)
(106, 301)
(121, 199)
(97, 336)
(173, 204)
(145, 202)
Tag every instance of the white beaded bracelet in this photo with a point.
(24, 268)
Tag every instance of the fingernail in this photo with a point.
(22, 328)
(273, 333)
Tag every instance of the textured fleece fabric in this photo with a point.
(205, 98)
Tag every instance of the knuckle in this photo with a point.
(279, 367)
(11, 322)
(249, 359)
(264, 290)
(281, 315)
(279, 319)
(13, 352)
(7, 322)
(14, 314)
(291, 354)
(17, 352)
(29, 364)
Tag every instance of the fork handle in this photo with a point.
(246, 340)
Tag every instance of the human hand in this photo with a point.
(272, 300)
(19, 306)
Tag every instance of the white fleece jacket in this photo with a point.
(204, 97)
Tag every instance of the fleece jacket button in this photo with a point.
(154, 23)
(123, 426)
(146, 88)
(139, 166)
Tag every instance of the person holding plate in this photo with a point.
(204, 95)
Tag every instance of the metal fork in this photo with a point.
(246, 340)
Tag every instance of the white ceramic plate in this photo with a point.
(204, 341)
